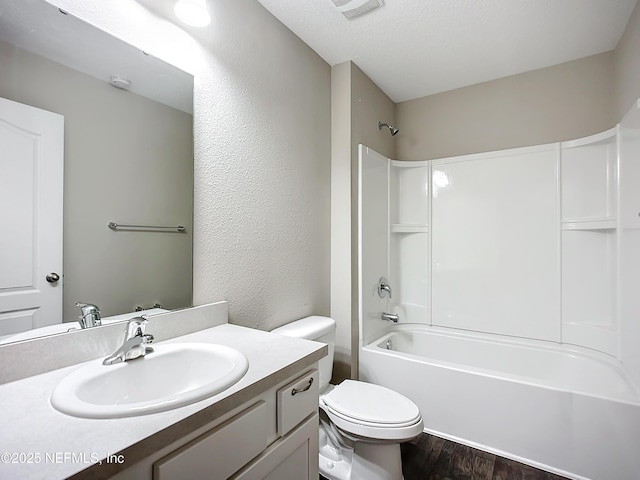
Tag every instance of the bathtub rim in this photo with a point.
(374, 346)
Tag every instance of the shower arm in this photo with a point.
(393, 130)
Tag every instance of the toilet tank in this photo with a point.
(319, 329)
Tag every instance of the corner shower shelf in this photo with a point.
(407, 228)
(605, 223)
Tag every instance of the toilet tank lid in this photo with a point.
(309, 327)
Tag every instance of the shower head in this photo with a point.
(391, 128)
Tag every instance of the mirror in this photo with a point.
(128, 159)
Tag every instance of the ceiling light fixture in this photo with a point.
(193, 12)
(120, 82)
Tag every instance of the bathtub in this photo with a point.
(567, 410)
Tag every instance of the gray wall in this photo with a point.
(563, 102)
(127, 159)
(357, 106)
(627, 66)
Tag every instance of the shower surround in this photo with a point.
(513, 277)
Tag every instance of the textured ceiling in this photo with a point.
(414, 48)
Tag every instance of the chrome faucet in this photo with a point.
(389, 316)
(383, 287)
(135, 345)
(90, 316)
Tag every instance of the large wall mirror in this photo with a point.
(128, 159)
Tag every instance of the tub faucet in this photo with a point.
(389, 316)
(90, 315)
(135, 345)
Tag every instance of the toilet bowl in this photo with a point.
(361, 424)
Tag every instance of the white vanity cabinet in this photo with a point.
(273, 436)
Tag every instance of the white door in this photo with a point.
(31, 176)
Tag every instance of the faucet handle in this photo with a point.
(135, 328)
(383, 287)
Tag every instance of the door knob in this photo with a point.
(52, 277)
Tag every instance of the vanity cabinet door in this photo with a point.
(221, 452)
(294, 457)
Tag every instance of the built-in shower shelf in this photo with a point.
(408, 228)
(606, 223)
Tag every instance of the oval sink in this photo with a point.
(171, 376)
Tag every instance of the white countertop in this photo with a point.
(38, 442)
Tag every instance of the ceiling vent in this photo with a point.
(356, 8)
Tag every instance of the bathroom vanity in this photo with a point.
(263, 427)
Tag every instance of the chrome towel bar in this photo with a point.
(114, 226)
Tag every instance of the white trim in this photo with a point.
(410, 163)
(598, 137)
(494, 154)
(604, 223)
(361, 151)
(372, 152)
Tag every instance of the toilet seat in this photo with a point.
(372, 411)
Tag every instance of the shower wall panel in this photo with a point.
(629, 238)
(495, 242)
(589, 241)
(373, 237)
(409, 268)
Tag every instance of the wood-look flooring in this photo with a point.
(433, 458)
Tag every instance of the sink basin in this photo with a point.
(172, 376)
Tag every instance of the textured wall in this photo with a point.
(262, 155)
(262, 191)
(567, 101)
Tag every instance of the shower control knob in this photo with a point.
(52, 277)
(383, 287)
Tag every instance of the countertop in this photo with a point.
(38, 442)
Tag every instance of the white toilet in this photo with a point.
(361, 424)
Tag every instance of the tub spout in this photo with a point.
(389, 316)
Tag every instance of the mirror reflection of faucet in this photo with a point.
(90, 316)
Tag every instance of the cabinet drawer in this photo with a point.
(296, 401)
(220, 452)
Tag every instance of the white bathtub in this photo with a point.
(563, 409)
